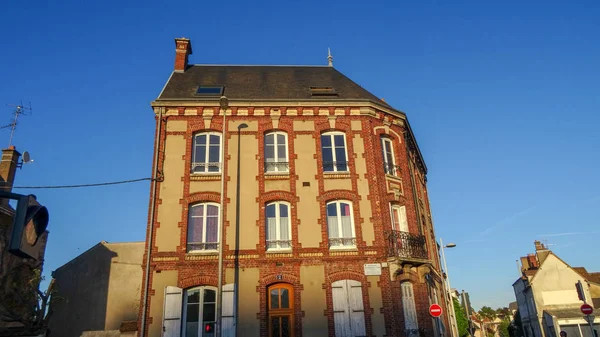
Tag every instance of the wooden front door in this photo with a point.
(281, 310)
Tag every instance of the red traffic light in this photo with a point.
(29, 224)
(208, 327)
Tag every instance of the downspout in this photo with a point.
(151, 225)
(412, 181)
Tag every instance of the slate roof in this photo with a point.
(264, 83)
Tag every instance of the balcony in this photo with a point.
(406, 246)
(391, 169)
(277, 167)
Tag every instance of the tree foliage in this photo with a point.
(461, 318)
(487, 313)
(504, 327)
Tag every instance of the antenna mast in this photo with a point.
(19, 109)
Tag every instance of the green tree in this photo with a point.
(504, 327)
(487, 313)
(461, 318)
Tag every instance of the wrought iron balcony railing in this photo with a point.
(342, 242)
(206, 167)
(335, 166)
(406, 245)
(391, 169)
(200, 246)
(279, 166)
(279, 244)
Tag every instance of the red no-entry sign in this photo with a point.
(587, 309)
(435, 310)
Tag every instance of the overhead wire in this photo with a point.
(88, 185)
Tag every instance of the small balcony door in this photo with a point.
(281, 310)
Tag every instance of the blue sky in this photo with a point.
(503, 99)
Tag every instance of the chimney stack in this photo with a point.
(183, 48)
(539, 245)
(8, 168)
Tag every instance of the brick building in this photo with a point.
(331, 233)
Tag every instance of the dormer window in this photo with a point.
(209, 90)
(322, 91)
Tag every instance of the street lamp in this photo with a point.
(236, 281)
(224, 104)
(449, 301)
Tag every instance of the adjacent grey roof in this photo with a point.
(264, 83)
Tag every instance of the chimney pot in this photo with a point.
(183, 48)
(8, 168)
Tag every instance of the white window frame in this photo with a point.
(339, 224)
(332, 135)
(278, 225)
(386, 161)
(196, 161)
(399, 211)
(200, 308)
(204, 226)
(411, 318)
(278, 168)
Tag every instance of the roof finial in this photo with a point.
(329, 57)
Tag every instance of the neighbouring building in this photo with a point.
(17, 295)
(99, 292)
(547, 297)
(331, 233)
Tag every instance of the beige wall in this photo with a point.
(248, 191)
(376, 302)
(337, 184)
(313, 300)
(159, 282)
(277, 185)
(248, 324)
(554, 284)
(171, 191)
(363, 190)
(124, 285)
(308, 208)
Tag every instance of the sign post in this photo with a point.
(587, 310)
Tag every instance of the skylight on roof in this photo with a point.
(322, 91)
(213, 90)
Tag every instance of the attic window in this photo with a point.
(209, 90)
(322, 91)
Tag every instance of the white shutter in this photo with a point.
(410, 311)
(228, 317)
(357, 312)
(348, 311)
(403, 219)
(172, 312)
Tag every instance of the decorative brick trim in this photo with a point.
(198, 280)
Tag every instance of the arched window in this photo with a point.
(206, 153)
(340, 224)
(276, 152)
(281, 310)
(348, 310)
(389, 162)
(203, 227)
(333, 151)
(278, 226)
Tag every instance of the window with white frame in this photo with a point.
(340, 224)
(411, 324)
(206, 153)
(276, 152)
(192, 312)
(278, 226)
(389, 162)
(333, 151)
(203, 227)
(399, 221)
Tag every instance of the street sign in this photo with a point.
(590, 318)
(435, 310)
(587, 309)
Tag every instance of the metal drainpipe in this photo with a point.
(152, 209)
(414, 186)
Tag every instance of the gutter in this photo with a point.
(151, 224)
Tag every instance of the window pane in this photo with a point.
(209, 295)
(283, 210)
(275, 332)
(340, 155)
(270, 211)
(200, 154)
(338, 140)
(270, 153)
(192, 312)
(285, 326)
(274, 298)
(195, 224)
(345, 209)
(208, 312)
(327, 155)
(215, 140)
(269, 139)
(285, 299)
(326, 141)
(281, 152)
(213, 154)
(212, 232)
(212, 210)
(280, 139)
(331, 209)
(201, 140)
(193, 296)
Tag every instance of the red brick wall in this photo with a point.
(203, 272)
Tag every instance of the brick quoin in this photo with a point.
(336, 267)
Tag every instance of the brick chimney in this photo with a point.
(183, 48)
(539, 245)
(533, 264)
(8, 168)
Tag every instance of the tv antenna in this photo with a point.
(19, 110)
